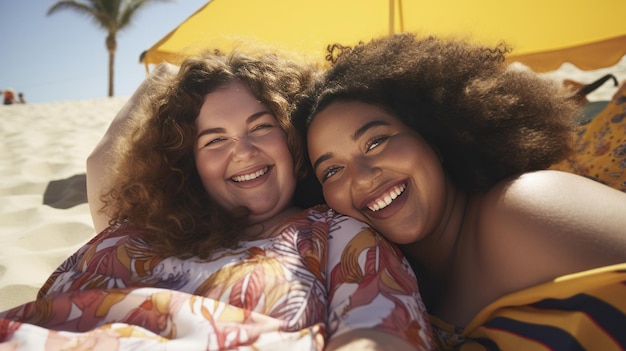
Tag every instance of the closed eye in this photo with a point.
(262, 126)
(215, 141)
(375, 142)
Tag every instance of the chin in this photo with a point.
(268, 208)
(261, 211)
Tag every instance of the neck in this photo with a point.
(433, 257)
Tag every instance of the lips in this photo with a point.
(387, 198)
(240, 178)
(386, 204)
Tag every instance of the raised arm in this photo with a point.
(373, 293)
(100, 159)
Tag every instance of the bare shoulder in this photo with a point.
(561, 199)
(548, 223)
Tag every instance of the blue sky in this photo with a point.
(63, 56)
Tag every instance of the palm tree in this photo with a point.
(110, 15)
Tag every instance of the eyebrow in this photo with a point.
(321, 159)
(249, 120)
(368, 126)
(359, 132)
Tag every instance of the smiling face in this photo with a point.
(376, 169)
(241, 153)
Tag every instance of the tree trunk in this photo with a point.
(111, 43)
(111, 71)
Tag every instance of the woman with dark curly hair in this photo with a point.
(205, 247)
(442, 148)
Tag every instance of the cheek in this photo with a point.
(282, 155)
(338, 198)
(209, 168)
(417, 158)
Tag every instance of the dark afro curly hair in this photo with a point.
(487, 119)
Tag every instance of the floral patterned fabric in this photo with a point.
(322, 276)
(601, 146)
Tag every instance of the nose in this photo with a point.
(244, 149)
(364, 174)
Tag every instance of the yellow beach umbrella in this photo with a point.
(543, 34)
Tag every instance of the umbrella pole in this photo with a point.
(391, 16)
(400, 16)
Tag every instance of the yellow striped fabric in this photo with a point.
(582, 311)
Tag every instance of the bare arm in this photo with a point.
(100, 159)
(367, 340)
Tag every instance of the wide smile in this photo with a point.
(240, 178)
(387, 198)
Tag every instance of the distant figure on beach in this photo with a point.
(9, 96)
(20, 98)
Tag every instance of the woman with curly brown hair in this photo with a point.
(205, 247)
(442, 148)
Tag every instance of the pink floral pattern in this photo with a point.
(324, 275)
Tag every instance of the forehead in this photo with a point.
(229, 103)
(346, 116)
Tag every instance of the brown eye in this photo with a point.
(329, 172)
(374, 142)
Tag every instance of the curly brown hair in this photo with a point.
(487, 120)
(155, 182)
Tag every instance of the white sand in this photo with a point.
(41, 143)
(46, 142)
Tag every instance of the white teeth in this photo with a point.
(385, 200)
(246, 177)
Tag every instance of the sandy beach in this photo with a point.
(47, 142)
(43, 143)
